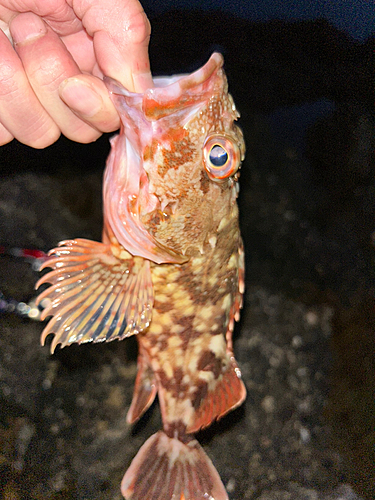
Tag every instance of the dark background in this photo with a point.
(303, 81)
(357, 18)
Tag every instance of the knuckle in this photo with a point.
(39, 137)
(139, 28)
(86, 136)
(43, 140)
(94, 136)
(47, 73)
(5, 136)
(8, 80)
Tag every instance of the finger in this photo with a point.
(4, 26)
(5, 136)
(88, 98)
(121, 33)
(47, 63)
(81, 46)
(58, 13)
(128, 61)
(21, 114)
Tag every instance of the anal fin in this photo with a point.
(144, 390)
(167, 469)
(219, 397)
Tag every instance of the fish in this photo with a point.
(169, 269)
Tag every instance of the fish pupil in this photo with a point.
(218, 156)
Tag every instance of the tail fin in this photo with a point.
(168, 469)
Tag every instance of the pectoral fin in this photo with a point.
(94, 297)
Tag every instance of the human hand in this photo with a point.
(50, 80)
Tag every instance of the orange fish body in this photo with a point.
(170, 269)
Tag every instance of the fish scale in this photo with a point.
(170, 270)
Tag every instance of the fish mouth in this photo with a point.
(174, 93)
(126, 186)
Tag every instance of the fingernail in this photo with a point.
(80, 97)
(27, 27)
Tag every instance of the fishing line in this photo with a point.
(24, 309)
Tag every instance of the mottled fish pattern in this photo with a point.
(170, 269)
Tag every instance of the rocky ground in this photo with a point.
(305, 342)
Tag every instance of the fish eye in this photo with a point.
(218, 156)
(221, 157)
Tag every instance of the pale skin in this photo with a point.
(51, 77)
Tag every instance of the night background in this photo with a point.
(302, 75)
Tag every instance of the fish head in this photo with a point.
(183, 154)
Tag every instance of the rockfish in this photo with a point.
(170, 270)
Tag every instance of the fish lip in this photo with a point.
(183, 81)
(172, 94)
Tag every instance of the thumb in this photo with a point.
(88, 98)
(121, 35)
